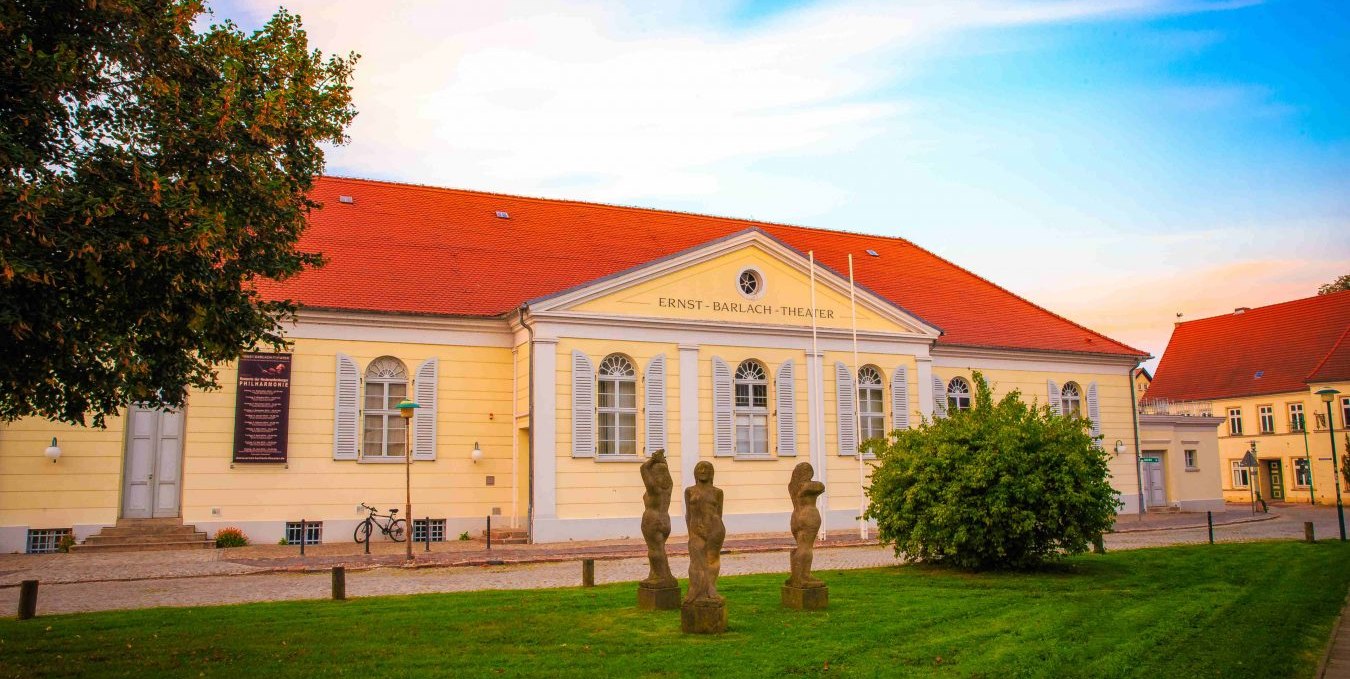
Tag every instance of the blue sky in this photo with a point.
(1117, 161)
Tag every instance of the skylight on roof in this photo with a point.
(502, 214)
(1259, 374)
(873, 253)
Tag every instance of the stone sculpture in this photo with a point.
(660, 590)
(802, 591)
(704, 611)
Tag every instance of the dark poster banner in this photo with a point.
(262, 408)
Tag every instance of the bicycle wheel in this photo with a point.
(398, 530)
(362, 532)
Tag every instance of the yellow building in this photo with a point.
(1258, 372)
(552, 346)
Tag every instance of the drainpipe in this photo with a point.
(529, 402)
(1138, 466)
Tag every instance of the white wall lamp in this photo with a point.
(477, 453)
(53, 452)
(1120, 447)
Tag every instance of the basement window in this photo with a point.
(437, 530)
(312, 533)
(46, 540)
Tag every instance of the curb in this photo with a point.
(1321, 672)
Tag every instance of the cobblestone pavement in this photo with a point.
(79, 582)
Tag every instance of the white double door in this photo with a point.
(153, 464)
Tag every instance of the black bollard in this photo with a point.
(1209, 518)
(369, 537)
(489, 532)
(339, 583)
(426, 532)
(302, 537)
(28, 599)
(588, 572)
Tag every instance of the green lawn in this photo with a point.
(1237, 610)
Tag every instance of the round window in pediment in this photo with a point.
(750, 283)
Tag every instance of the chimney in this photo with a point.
(1241, 310)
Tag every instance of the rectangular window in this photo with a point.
(313, 533)
(1239, 474)
(1301, 476)
(1345, 412)
(437, 530)
(1267, 417)
(752, 434)
(1235, 421)
(46, 540)
(871, 414)
(1190, 459)
(1296, 423)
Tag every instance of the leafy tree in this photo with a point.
(1001, 485)
(154, 168)
(1342, 283)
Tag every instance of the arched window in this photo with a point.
(751, 409)
(386, 385)
(1071, 400)
(617, 406)
(870, 394)
(958, 394)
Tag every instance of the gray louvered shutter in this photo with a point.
(724, 431)
(900, 398)
(655, 402)
(424, 418)
(786, 399)
(1094, 412)
(1052, 393)
(846, 416)
(939, 397)
(583, 406)
(347, 410)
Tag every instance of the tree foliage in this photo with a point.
(1001, 485)
(153, 169)
(1341, 283)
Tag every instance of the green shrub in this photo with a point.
(465, 536)
(65, 543)
(1001, 485)
(231, 537)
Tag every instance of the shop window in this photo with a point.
(1296, 418)
(958, 394)
(1239, 474)
(617, 406)
(1235, 421)
(1266, 415)
(1071, 400)
(46, 540)
(1302, 475)
(386, 385)
(751, 409)
(1190, 459)
(870, 411)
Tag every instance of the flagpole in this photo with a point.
(812, 377)
(857, 406)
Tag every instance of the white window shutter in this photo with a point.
(786, 400)
(347, 410)
(1052, 393)
(724, 432)
(939, 397)
(424, 417)
(1094, 412)
(844, 398)
(900, 398)
(655, 402)
(583, 406)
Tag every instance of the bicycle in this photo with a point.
(395, 529)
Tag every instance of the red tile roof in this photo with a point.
(1268, 350)
(418, 249)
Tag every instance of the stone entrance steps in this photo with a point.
(507, 536)
(145, 535)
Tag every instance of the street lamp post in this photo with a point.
(1328, 395)
(405, 409)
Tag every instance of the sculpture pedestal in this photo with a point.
(703, 617)
(658, 598)
(806, 598)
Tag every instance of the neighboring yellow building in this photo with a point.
(1258, 371)
(552, 346)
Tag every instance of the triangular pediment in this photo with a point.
(704, 284)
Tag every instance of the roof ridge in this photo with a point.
(1267, 307)
(755, 223)
(1334, 346)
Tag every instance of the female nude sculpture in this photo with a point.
(656, 520)
(805, 524)
(703, 514)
